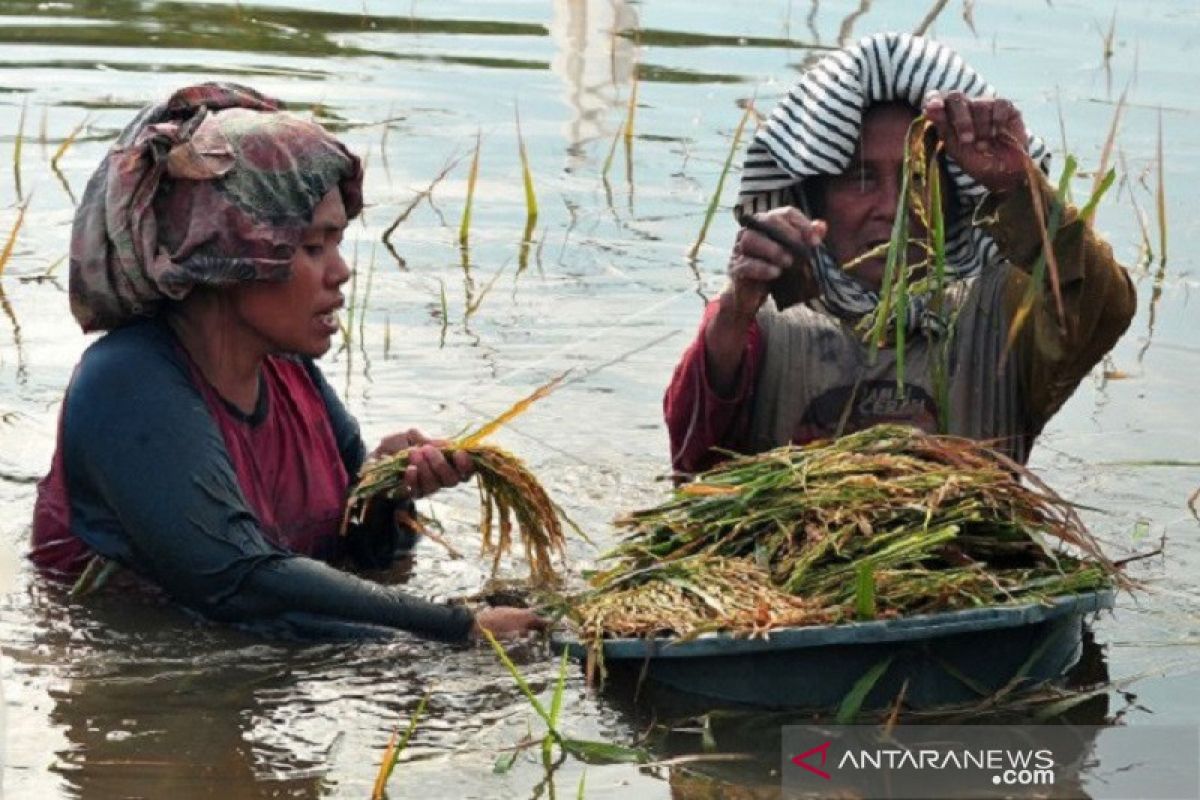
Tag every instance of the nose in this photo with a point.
(886, 198)
(338, 271)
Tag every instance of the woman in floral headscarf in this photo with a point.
(199, 445)
(819, 190)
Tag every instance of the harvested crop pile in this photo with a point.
(884, 522)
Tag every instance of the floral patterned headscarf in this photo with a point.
(213, 187)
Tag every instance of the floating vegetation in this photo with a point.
(624, 132)
(630, 113)
(473, 303)
(931, 15)
(881, 523)
(734, 148)
(396, 745)
(508, 491)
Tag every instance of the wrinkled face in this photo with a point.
(860, 204)
(299, 315)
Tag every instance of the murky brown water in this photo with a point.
(115, 698)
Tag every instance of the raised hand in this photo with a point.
(984, 135)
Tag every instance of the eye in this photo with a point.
(313, 250)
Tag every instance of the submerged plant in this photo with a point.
(395, 747)
(590, 752)
(715, 202)
(464, 227)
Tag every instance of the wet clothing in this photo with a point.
(234, 515)
(212, 187)
(806, 374)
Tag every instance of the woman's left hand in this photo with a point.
(984, 135)
(428, 468)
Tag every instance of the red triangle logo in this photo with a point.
(800, 761)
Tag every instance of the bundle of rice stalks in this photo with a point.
(694, 595)
(883, 522)
(507, 491)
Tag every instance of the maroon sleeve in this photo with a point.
(699, 419)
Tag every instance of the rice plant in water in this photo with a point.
(395, 747)
(464, 227)
(588, 751)
(11, 242)
(713, 204)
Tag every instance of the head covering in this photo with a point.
(815, 129)
(212, 187)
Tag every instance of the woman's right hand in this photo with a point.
(758, 261)
(428, 469)
(506, 622)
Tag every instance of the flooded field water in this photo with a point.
(119, 698)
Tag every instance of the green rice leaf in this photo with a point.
(854, 699)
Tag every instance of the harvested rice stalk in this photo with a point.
(934, 523)
(508, 491)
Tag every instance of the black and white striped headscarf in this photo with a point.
(816, 127)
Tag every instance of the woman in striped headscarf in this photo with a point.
(778, 359)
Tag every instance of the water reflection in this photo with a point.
(593, 62)
(731, 751)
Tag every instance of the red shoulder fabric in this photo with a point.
(53, 548)
(287, 462)
(698, 419)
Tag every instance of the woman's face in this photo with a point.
(860, 204)
(300, 315)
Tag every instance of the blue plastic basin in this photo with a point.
(950, 657)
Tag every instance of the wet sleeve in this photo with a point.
(698, 419)
(141, 446)
(1098, 299)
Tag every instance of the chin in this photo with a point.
(869, 274)
(306, 349)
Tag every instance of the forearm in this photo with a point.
(698, 417)
(1098, 299)
(302, 585)
(725, 337)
